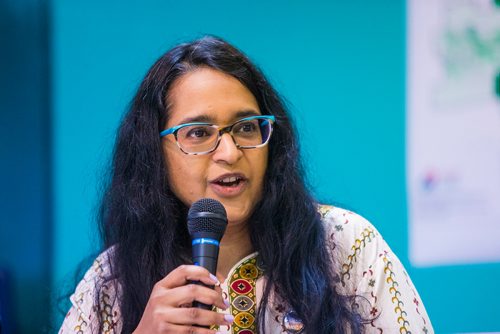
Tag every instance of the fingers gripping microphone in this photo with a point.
(207, 221)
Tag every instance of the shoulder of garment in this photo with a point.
(95, 298)
(369, 270)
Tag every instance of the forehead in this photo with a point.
(209, 95)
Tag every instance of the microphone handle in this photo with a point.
(205, 256)
(207, 262)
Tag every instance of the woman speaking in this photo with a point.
(205, 123)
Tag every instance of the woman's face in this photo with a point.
(211, 96)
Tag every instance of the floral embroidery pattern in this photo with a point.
(417, 302)
(366, 236)
(106, 308)
(84, 301)
(396, 296)
(79, 328)
(323, 210)
(374, 311)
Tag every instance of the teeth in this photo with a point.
(229, 179)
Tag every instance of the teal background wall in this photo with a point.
(25, 161)
(341, 66)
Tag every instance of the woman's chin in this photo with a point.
(236, 218)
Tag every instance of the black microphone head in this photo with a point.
(207, 217)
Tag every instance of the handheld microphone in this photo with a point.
(207, 221)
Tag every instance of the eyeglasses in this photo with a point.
(203, 138)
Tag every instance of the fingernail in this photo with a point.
(226, 302)
(213, 278)
(228, 318)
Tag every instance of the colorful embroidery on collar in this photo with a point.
(243, 296)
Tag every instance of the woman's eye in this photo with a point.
(199, 132)
(247, 127)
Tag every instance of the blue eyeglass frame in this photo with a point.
(222, 129)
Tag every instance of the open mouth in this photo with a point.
(229, 185)
(230, 181)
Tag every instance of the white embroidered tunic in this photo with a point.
(367, 268)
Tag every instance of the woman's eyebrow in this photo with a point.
(246, 113)
(204, 118)
(197, 119)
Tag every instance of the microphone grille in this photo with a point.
(207, 215)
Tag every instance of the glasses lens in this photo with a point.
(251, 133)
(197, 138)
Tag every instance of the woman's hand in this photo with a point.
(169, 308)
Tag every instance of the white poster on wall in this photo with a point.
(453, 131)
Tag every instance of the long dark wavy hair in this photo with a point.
(146, 222)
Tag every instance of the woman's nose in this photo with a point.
(227, 151)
